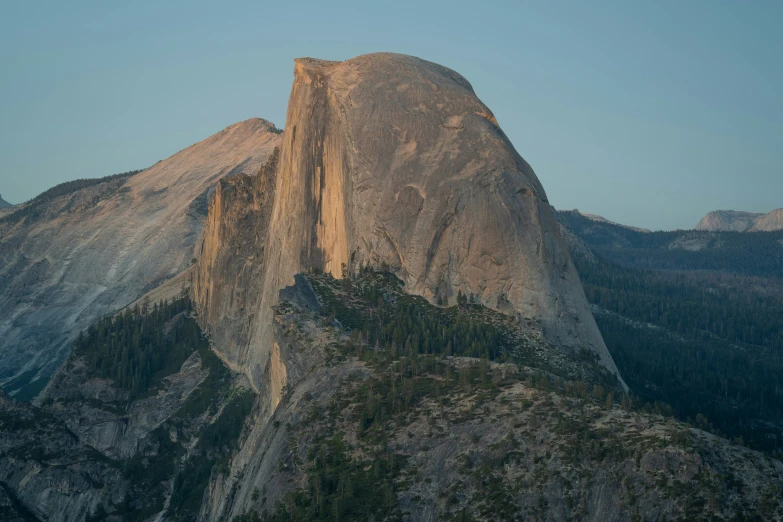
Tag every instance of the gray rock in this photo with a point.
(96, 250)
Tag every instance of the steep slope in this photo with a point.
(71, 259)
(93, 445)
(231, 259)
(737, 221)
(391, 160)
(3, 203)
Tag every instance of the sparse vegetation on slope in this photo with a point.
(381, 316)
(150, 373)
(464, 438)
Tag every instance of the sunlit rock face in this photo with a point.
(769, 222)
(728, 220)
(390, 159)
(95, 250)
(739, 221)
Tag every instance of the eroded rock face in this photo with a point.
(88, 447)
(389, 159)
(96, 250)
(81, 402)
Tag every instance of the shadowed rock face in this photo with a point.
(96, 250)
(391, 159)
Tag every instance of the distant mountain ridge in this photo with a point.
(684, 312)
(601, 219)
(740, 221)
(4, 203)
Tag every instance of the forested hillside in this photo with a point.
(699, 329)
(135, 423)
(140, 346)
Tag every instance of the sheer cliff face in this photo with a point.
(231, 260)
(391, 159)
(96, 250)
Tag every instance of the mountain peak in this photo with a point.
(769, 222)
(391, 160)
(384, 63)
(119, 238)
(252, 124)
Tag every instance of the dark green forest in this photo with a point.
(699, 330)
(140, 346)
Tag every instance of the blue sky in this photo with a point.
(649, 113)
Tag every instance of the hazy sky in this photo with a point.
(649, 113)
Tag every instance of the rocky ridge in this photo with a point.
(738, 221)
(484, 406)
(471, 440)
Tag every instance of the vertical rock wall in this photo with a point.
(391, 159)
